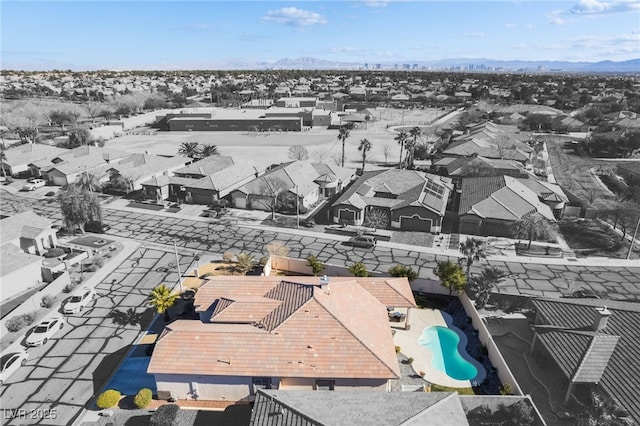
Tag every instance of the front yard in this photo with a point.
(593, 238)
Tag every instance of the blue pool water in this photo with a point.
(132, 376)
(444, 343)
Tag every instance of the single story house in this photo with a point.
(66, 168)
(401, 199)
(299, 333)
(472, 166)
(490, 205)
(17, 158)
(309, 182)
(139, 168)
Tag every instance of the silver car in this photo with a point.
(10, 362)
(44, 331)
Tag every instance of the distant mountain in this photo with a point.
(459, 64)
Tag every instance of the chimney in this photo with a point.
(324, 284)
(601, 318)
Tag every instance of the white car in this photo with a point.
(44, 331)
(77, 303)
(10, 362)
(34, 184)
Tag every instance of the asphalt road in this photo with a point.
(61, 376)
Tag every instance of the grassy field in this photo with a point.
(264, 149)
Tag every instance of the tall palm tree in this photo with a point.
(189, 149)
(401, 138)
(472, 249)
(208, 150)
(604, 411)
(415, 133)
(343, 134)
(365, 146)
(483, 284)
(162, 298)
(533, 227)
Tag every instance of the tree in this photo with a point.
(298, 152)
(120, 182)
(533, 227)
(162, 298)
(401, 138)
(270, 194)
(78, 207)
(3, 158)
(472, 249)
(415, 133)
(451, 276)
(277, 249)
(189, 149)
(403, 271)
(315, 264)
(358, 269)
(208, 150)
(94, 109)
(485, 282)
(244, 263)
(364, 147)
(78, 137)
(386, 150)
(376, 217)
(343, 134)
(89, 182)
(604, 411)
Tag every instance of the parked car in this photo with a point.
(34, 184)
(96, 227)
(44, 331)
(10, 362)
(365, 241)
(77, 303)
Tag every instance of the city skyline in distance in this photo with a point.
(167, 35)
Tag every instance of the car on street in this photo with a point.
(10, 362)
(78, 302)
(365, 241)
(44, 331)
(96, 227)
(34, 184)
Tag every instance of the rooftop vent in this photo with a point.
(601, 318)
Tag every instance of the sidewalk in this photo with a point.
(129, 247)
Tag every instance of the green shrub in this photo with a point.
(143, 398)
(70, 287)
(99, 262)
(53, 252)
(358, 269)
(403, 271)
(20, 321)
(505, 389)
(108, 399)
(48, 301)
(409, 360)
(165, 415)
(315, 264)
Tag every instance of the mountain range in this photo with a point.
(460, 64)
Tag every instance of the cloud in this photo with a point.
(595, 7)
(294, 17)
(529, 26)
(510, 25)
(374, 3)
(556, 18)
(625, 42)
(473, 35)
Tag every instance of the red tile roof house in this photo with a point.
(407, 199)
(281, 333)
(310, 182)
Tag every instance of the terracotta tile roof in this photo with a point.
(621, 377)
(309, 331)
(207, 166)
(393, 292)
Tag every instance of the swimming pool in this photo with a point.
(449, 356)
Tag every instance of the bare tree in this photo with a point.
(298, 152)
(376, 218)
(270, 194)
(277, 249)
(386, 151)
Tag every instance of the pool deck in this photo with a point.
(419, 319)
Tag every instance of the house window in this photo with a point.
(327, 385)
(261, 383)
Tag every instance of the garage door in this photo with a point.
(415, 223)
(346, 214)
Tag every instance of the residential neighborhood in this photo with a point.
(377, 237)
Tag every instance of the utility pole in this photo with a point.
(175, 249)
(297, 209)
(633, 239)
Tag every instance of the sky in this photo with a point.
(89, 35)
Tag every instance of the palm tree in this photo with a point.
(244, 263)
(489, 277)
(343, 134)
(472, 249)
(604, 411)
(162, 298)
(415, 133)
(189, 149)
(533, 227)
(3, 158)
(208, 150)
(365, 146)
(402, 138)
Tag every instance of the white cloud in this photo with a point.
(510, 25)
(530, 26)
(596, 7)
(474, 35)
(374, 3)
(555, 17)
(294, 17)
(625, 42)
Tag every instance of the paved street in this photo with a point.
(535, 279)
(62, 375)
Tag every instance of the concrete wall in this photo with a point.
(20, 280)
(262, 124)
(213, 388)
(504, 373)
(33, 303)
